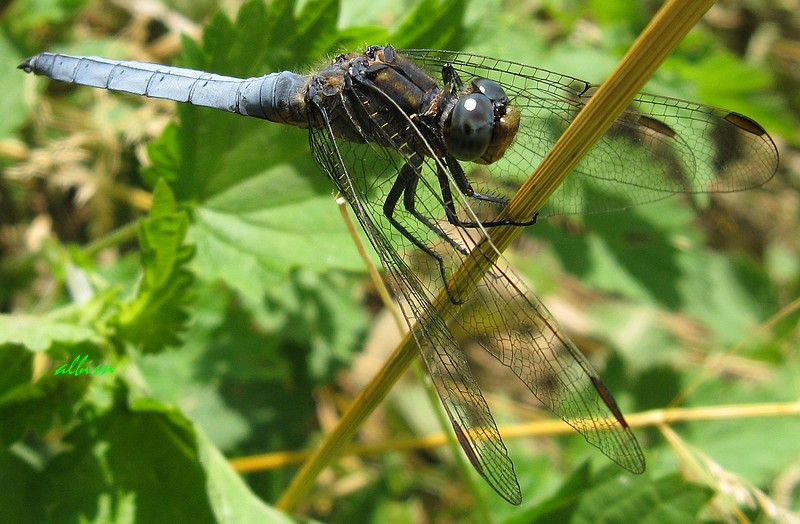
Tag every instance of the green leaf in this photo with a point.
(16, 475)
(730, 442)
(231, 499)
(40, 333)
(730, 296)
(629, 252)
(260, 205)
(157, 315)
(26, 405)
(13, 91)
(614, 496)
(246, 381)
(438, 24)
(143, 462)
(318, 311)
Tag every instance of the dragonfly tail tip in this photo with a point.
(27, 65)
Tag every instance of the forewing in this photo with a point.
(364, 174)
(657, 148)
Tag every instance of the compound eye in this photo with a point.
(490, 88)
(471, 125)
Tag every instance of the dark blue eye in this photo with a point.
(471, 124)
(490, 88)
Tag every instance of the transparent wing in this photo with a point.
(659, 147)
(502, 313)
(446, 363)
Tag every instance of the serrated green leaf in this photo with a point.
(252, 237)
(165, 155)
(157, 316)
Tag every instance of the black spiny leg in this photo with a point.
(460, 178)
(406, 185)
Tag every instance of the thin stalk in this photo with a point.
(655, 418)
(374, 274)
(419, 372)
(115, 238)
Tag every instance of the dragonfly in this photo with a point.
(427, 147)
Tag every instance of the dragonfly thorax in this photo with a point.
(381, 97)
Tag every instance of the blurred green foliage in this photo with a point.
(244, 297)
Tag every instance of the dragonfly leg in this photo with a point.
(406, 185)
(503, 202)
(452, 81)
(461, 181)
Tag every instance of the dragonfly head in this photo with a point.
(481, 124)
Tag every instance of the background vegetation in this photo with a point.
(201, 255)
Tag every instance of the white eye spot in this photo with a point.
(470, 104)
